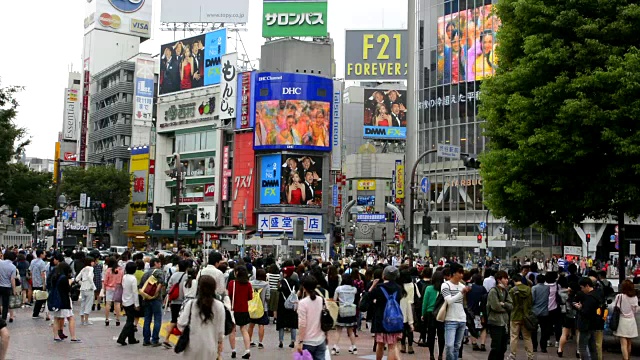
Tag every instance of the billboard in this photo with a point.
(399, 190)
(376, 55)
(270, 173)
(192, 63)
(130, 17)
(366, 185)
(71, 111)
(228, 87)
(242, 188)
(292, 111)
(284, 222)
(336, 133)
(185, 113)
(245, 116)
(204, 11)
(293, 180)
(299, 18)
(143, 92)
(385, 114)
(139, 169)
(84, 125)
(466, 45)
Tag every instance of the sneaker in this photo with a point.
(333, 351)
(247, 354)
(557, 344)
(37, 317)
(167, 345)
(355, 351)
(88, 323)
(233, 354)
(260, 346)
(280, 345)
(76, 340)
(252, 344)
(156, 344)
(146, 344)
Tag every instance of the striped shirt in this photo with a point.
(454, 297)
(273, 280)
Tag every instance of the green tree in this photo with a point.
(563, 113)
(13, 139)
(28, 188)
(101, 183)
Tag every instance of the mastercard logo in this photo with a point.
(110, 20)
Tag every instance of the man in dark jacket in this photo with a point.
(588, 302)
(499, 304)
(522, 304)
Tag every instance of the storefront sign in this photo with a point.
(186, 112)
(225, 157)
(76, 227)
(245, 115)
(284, 222)
(399, 179)
(366, 185)
(228, 87)
(209, 190)
(371, 218)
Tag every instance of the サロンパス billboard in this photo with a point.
(192, 63)
(466, 45)
(385, 114)
(376, 55)
(292, 111)
(294, 18)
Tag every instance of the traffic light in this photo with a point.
(156, 221)
(470, 161)
(191, 222)
(103, 206)
(479, 238)
(426, 224)
(588, 238)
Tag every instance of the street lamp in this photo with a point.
(62, 202)
(36, 210)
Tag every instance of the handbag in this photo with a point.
(615, 316)
(15, 301)
(117, 294)
(347, 310)
(40, 295)
(326, 320)
(530, 322)
(183, 340)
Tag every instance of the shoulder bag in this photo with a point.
(615, 317)
(183, 340)
(326, 320)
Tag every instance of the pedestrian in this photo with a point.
(379, 300)
(567, 294)
(205, 317)
(153, 305)
(273, 277)
(241, 292)
(627, 329)
(97, 281)
(540, 294)
(499, 304)
(131, 304)
(406, 304)
(345, 295)
(177, 279)
(434, 327)
(453, 291)
(476, 298)
(287, 318)
(112, 284)
(260, 287)
(62, 280)
(8, 288)
(553, 327)
(522, 304)
(23, 269)
(421, 286)
(87, 288)
(311, 336)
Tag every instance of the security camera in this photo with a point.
(454, 230)
(434, 234)
(501, 230)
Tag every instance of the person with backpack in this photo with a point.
(431, 293)
(553, 327)
(588, 303)
(499, 304)
(258, 307)
(388, 318)
(60, 303)
(176, 297)
(476, 298)
(522, 304)
(287, 304)
(453, 293)
(241, 293)
(151, 285)
(345, 295)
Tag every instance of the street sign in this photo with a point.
(612, 238)
(449, 151)
(59, 230)
(482, 225)
(65, 215)
(425, 185)
(83, 200)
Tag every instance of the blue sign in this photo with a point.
(371, 218)
(215, 46)
(366, 200)
(334, 202)
(74, 215)
(293, 112)
(144, 87)
(245, 115)
(384, 132)
(482, 225)
(127, 6)
(270, 169)
(425, 185)
(65, 215)
(612, 238)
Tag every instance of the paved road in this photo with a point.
(32, 339)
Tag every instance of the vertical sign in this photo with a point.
(226, 173)
(83, 200)
(399, 180)
(228, 87)
(244, 101)
(59, 229)
(215, 47)
(225, 157)
(143, 92)
(336, 134)
(334, 201)
(270, 170)
(85, 111)
(70, 114)
(243, 192)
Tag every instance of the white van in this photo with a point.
(118, 249)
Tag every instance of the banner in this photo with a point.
(71, 111)
(399, 180)
(385, 114)
(242, 188)
(366, 185)
(228, 87)
(192, 63)
(143, 92)
(376, 55)
(294, 19)
(270, 173)
(246, 117)
(336, 133)
(204, 11)
(284, 222)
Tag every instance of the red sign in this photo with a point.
(152, 166)
(339, 207)
(225, 188)
(209, 190)
(245, 105)
(225, 157)
(242, 188)
(69, 156)
(191, 199)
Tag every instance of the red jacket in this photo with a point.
(241, 296)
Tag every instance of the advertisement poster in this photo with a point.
(301, 180)
(138, 208)
(143, 92)
(192, 63)
(204, 11)
(71, 112)
(385, 114)
(228, 87)
(245, 118)
(376, 55)
(270, 173)
(466, 45)
(184, 113)
(130, 17)
(297, 18)
(293, 111)
(399, 180)
(242, 188)
(336, 134)
(366, 185)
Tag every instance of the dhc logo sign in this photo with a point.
(291, 91)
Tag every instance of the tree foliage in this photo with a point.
(101, 183)
(29, 188)
(13, 139)
(563, 112)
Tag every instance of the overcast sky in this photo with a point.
(46, 40)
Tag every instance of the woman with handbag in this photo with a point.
(287, 317)
(434, 327)
(310, 336)
(87, 287)
(627, 329)
(112, 284)
(345, 295)
(201, 322)
(62, 280)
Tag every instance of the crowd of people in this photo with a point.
(315, 301)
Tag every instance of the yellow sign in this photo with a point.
(399, 180)
(139, 170)
(376, 55)
(56, 162)
(366, 184)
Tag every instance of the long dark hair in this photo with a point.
(191, 276)
(242, 274)
(309, 283)
(113, 264)
(206, 295)
(437, 280)
(62, 269)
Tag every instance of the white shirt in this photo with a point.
(85, 278)
(454, 297)
(130, 290)
(489, 283)
(218, 276)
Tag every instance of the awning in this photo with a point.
(170, 233)
(135, 232)
(231, 232)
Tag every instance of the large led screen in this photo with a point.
(292, 111)
(385, 114)
(291, 179)
(466, 45)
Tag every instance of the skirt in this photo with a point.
(63, 313)
(627, 328)
(242, 318)
(346, 321)
(264, 320)
(274, 296)
(388, 339)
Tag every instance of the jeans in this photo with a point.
(453, 334)
(152, 310)
(293, 335)
(39, 303)
(128, 332)
(542, 324)
(435, 327)
(516, 328)
(5, 293)
(498, 342)
(317, 352)
(587, 345)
